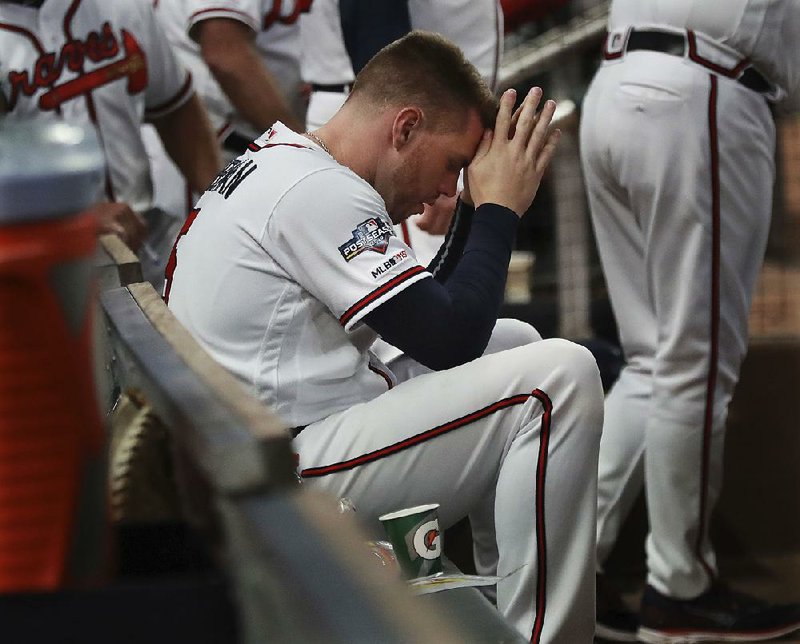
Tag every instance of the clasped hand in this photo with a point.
(510, 161)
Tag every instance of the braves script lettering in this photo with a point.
(98, 47)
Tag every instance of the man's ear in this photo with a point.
(407, 123)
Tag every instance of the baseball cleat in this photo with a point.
(614, 622)
(718, 615)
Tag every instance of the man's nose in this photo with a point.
(449, 187)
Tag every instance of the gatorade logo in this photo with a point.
(427, 543)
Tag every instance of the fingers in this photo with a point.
(547, 152)
(527, 119)
(541, 131)
(514, 120)
(503, 120)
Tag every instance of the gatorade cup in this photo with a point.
(53, 512)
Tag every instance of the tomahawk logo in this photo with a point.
(372, 234)
(98, 47)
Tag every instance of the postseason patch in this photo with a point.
(372, 234)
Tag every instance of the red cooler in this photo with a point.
(52, 475)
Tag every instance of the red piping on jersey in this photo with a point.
(730, 72)
(713, 357)
(172, 262)
(170, 104)
(378, 292)
(541, 473)
(255, 147)
(382, 374)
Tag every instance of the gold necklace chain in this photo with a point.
(318, 141)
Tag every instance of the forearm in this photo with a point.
(190, 142)
(233, 59)
(444, 325)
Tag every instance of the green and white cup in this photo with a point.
(416, 538)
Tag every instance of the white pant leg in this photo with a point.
(621, 244)
(507, 334)
(700, 270)
(523, 423)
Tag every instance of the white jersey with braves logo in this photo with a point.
(300, 279)
(106, 64)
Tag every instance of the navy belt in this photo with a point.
(676, 44)
(343, 88)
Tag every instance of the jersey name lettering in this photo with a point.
(97, 47)
(228, 180)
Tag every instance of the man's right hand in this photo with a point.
(118, 219)
(509, 163)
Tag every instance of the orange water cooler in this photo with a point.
(53, 513)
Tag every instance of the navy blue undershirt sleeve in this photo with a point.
(442, 325)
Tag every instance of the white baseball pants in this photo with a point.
(679, 171)
(510, 440)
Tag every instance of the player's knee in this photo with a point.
(510, 334)
(580, 370)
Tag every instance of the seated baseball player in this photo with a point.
(288, 269)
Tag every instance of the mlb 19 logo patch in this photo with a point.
(372, 234)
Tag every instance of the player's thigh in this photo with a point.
(441, 437)
(705, 251)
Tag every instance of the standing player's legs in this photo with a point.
(702, 207)
(521, 426)
(721, 190)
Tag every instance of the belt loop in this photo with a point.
(615, 44)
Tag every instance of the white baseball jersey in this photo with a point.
(679, 162)
(273, 274)
(476, 26)
(310, 278)
(277, 38)
(324, 58)
(107, 64)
